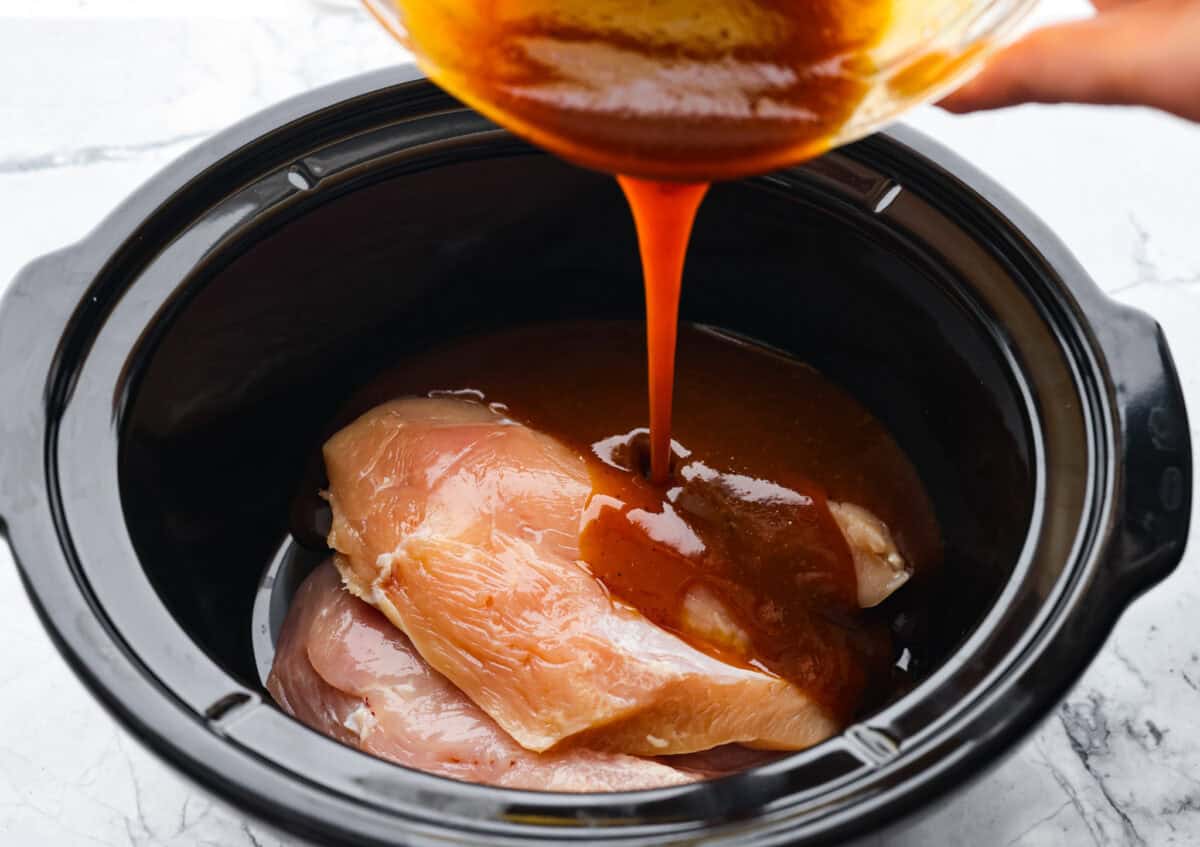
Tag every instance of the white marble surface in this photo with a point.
(99, 94)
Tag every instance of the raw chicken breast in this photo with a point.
(344, 670)
(878, 565)
(462, 527)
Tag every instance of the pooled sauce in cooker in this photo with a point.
(737, 550)
(663, 213)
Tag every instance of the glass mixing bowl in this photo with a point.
(686, 90)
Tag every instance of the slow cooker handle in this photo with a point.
(38, 300)
(1155, 489)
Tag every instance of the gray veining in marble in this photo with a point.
(99, 94)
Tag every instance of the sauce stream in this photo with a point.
(663, 213)
(673, 89)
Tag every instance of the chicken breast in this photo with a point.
(878, 565)
(461, 526)
(344, 670)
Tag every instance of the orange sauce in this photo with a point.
(663, 213)
(762, 442)
(751, 570)
(930, 69)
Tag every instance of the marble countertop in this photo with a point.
(99, 94)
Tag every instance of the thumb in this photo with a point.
(1142, 53)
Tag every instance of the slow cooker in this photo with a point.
(167, 379)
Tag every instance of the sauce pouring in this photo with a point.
(674, 94)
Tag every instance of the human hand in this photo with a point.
(1133, 52)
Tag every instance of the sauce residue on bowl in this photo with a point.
(670, 89)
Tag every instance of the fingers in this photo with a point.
(1082, 61)
(1140, 53)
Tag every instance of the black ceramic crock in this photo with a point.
(165, 381)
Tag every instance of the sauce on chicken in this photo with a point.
(786, 509)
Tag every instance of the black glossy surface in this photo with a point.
(176, 367)
(245, 383)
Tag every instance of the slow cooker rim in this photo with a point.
(76, 258)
